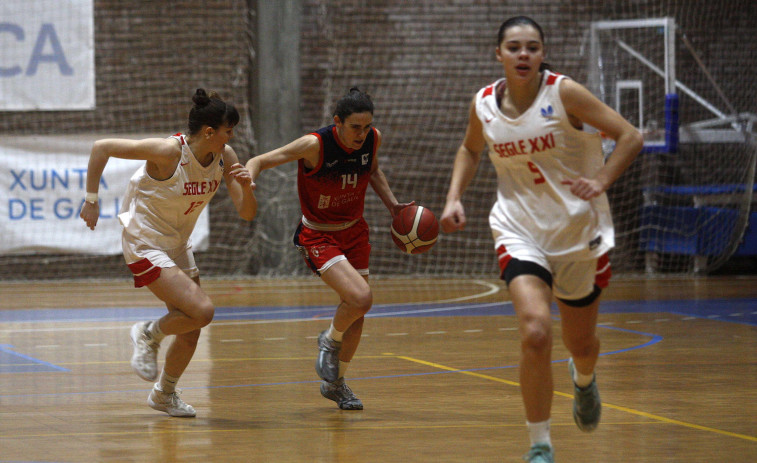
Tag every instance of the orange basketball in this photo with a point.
(415, 229)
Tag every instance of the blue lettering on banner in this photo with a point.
(47, 35)
(17, 209)
(19, 33)
(63, 208)
(38, 180)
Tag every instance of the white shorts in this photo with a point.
(571, 280)
(145, 261)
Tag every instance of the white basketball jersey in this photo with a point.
(163, 213)
(533, 154)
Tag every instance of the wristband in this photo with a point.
(90, 198)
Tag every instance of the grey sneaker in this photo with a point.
(587, 406)
(341, 393)
(327, 363)
(144, 360)
(540, 453)
(169, 403)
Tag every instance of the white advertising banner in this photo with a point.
(47, 55)
(42, 188)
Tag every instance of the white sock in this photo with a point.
(168, 383)
(155, 332)
(343, 368)
(539, 432)
(582, 380)
(334, 334)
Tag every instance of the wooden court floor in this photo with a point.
(436, 371)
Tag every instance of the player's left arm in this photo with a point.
(238, 182)
(581, 104)
(380, 184)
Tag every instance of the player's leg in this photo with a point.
(580, 338)
(357, 250)
(338, 344)
(356, 300)
(531, 298)
(336, 354)
(530, 287)
(169, 275)
(165, 396)
(578, 286)
(348, 276)
(189, 309)
(579, 334)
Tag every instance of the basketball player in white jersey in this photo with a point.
(551, 222)
(165, 196)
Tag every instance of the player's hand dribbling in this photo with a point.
(90, 212)
(453, 217)
(399, 206)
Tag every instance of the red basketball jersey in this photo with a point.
(334, 191)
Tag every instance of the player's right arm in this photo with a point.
(306, 147)
(466, 163)
(161, 154)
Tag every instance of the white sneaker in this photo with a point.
(144, 361)
(169, 403)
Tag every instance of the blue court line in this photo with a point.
(728, 310)
(654, 340)
(9, 361)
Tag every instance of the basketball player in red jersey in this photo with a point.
(335, 165)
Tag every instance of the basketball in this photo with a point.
(415, 229)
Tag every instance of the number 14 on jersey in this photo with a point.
(349, 179)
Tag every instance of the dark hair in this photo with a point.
(521, 21)
(354, 101)
(210, 110)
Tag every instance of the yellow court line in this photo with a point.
(604, 404)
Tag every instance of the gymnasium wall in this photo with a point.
(421, 61)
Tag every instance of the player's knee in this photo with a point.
(536, 335)
(361, 301)
(204, 314)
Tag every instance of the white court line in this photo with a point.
(491, 289)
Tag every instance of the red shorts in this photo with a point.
(322, 249)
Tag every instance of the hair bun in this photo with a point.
(201, 98)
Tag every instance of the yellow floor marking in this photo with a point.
(604, 404)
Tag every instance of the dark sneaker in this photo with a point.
(587, 407)
(327, 363)
(540, 453)
(341, 393)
